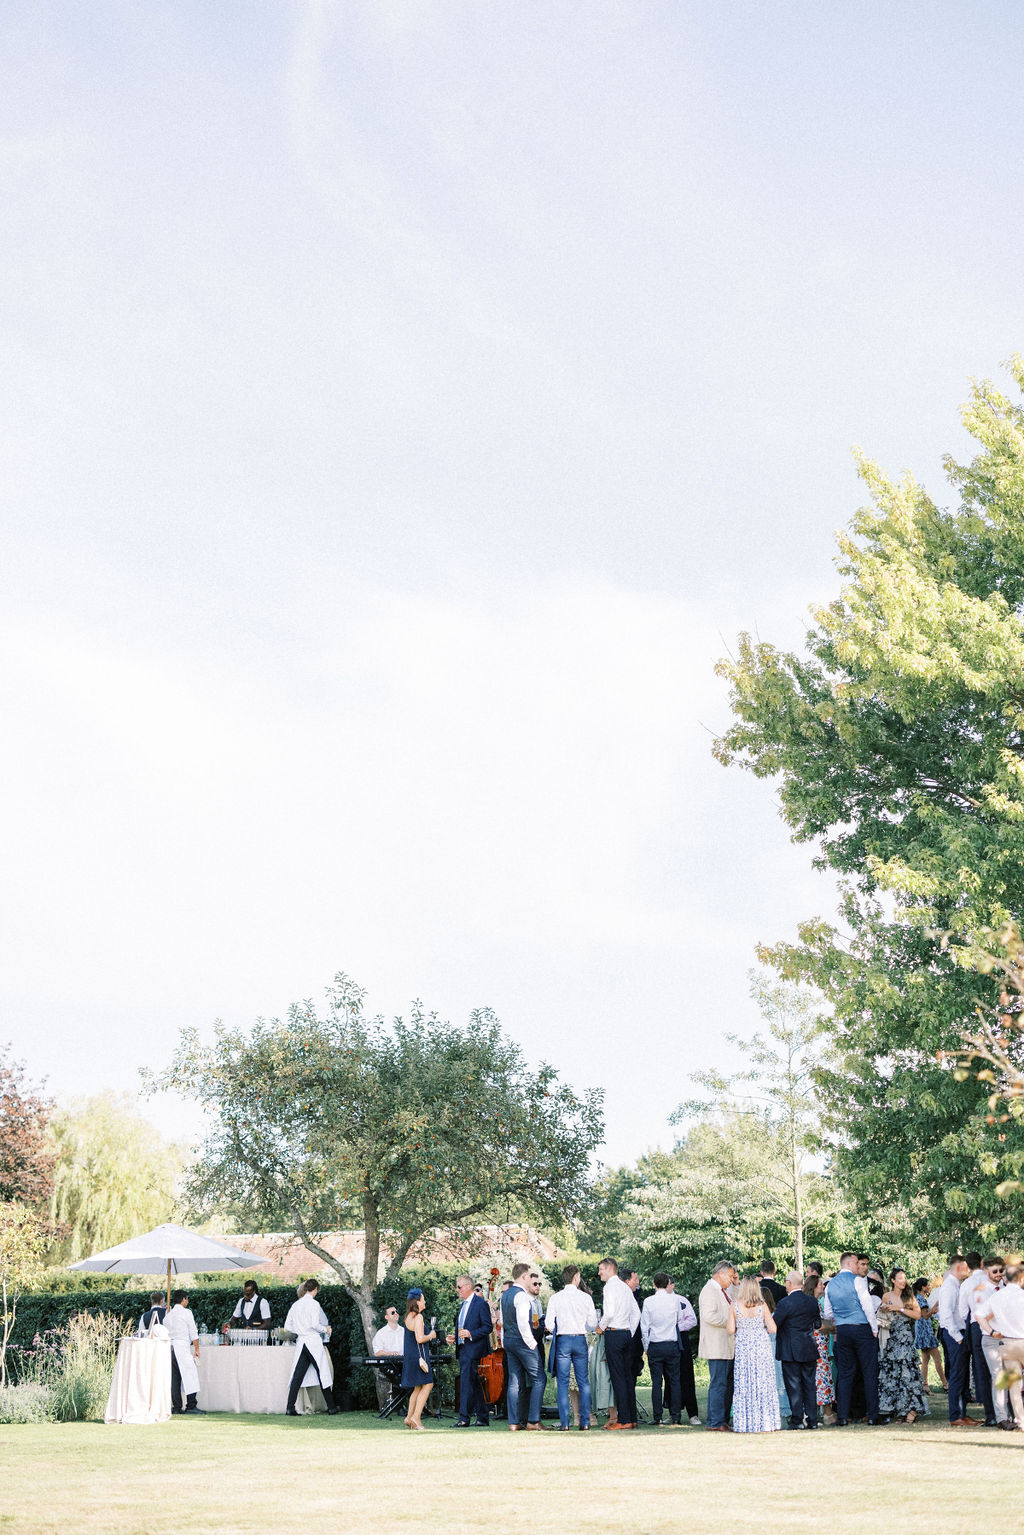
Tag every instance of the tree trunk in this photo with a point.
(364, 1298)
(798, 1208)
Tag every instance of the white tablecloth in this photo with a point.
(252, 1379)
(141, 1389)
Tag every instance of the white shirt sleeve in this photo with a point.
(828, 1308)
(523, 1312)
(949, 1305)
(867, 1302)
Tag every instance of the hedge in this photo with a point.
(212, 1303)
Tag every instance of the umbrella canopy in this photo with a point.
(172, 1248)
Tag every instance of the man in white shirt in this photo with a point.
(1000, 1315)
(952, 1333)
(974, 1292)
(389, 1339)
(569, 1317)
(659, 1327)
(620, 1319)
(252, 1310)
(687, 1384)
(522, 1355)
(184, 1336)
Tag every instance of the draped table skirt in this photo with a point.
(140, 1391)
(253, 1379)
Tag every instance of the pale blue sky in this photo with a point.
(399, 402)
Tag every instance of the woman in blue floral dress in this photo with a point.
(755, 1402)
(900, 1388)
(926, 1342)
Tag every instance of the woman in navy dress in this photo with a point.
(417, 1375)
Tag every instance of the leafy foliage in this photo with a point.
(22, 1240)
(778, 1091)
(896, 742)
(26, 1163)
(339, 1121)
(113, 1175)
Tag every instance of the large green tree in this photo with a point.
(321, 1122)
(113, 1175)
(896, 742)
(779, 1088)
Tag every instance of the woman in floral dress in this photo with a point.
(825, 1394)
(755, 1401)
(900, 1388)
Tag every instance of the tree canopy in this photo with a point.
(26, 1161)
(321, 1122)
(113, 1176)
(896, 742)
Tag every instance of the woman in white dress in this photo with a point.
(755, 1402)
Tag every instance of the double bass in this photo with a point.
(491, 1368)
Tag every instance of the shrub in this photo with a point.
(27, 1402)
(73, 1364)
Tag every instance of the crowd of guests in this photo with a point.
(854, 1348)
(835, 1349)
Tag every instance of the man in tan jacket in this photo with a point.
(716, 1344)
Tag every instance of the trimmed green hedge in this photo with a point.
(212, 1305)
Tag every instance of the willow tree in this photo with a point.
(326, 1122)
(896, 741)
(114, 1175)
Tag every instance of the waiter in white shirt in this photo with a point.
(184, 1336)
(659, 1327)
(1000, 1314)
(569, 1317)
(390, 1338)
(307, 1320)
(953, 1337)
(620, 1318)
(252, 1310)
(973, 1292)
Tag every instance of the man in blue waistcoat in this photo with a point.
(848, 1301)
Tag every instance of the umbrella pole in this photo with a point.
(168, 1284)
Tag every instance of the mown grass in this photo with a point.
(253, 1476)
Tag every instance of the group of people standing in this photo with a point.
(752, 1331)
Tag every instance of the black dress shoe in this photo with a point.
(459, 1423)
(877, 1422)
(482, 1423)
(840, 1423)
(291, 1412)
(332, 1412)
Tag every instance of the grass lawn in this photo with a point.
(259, 1476)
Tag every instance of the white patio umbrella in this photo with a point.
(175, 1248)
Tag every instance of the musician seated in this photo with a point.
(389, 1339)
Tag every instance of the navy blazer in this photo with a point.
(478, 1320)
(797, 1317)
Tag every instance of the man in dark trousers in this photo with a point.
(796, 1318)
(848, 1302)
(473, 1324)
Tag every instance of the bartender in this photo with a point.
(252, 1310)
(184, 1336)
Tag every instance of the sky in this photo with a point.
(403, 407)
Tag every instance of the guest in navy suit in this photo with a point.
(471, 1337)
(796, 1348)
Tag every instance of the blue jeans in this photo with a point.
(719, 1392)
(572, 1351)
(523, 1371)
